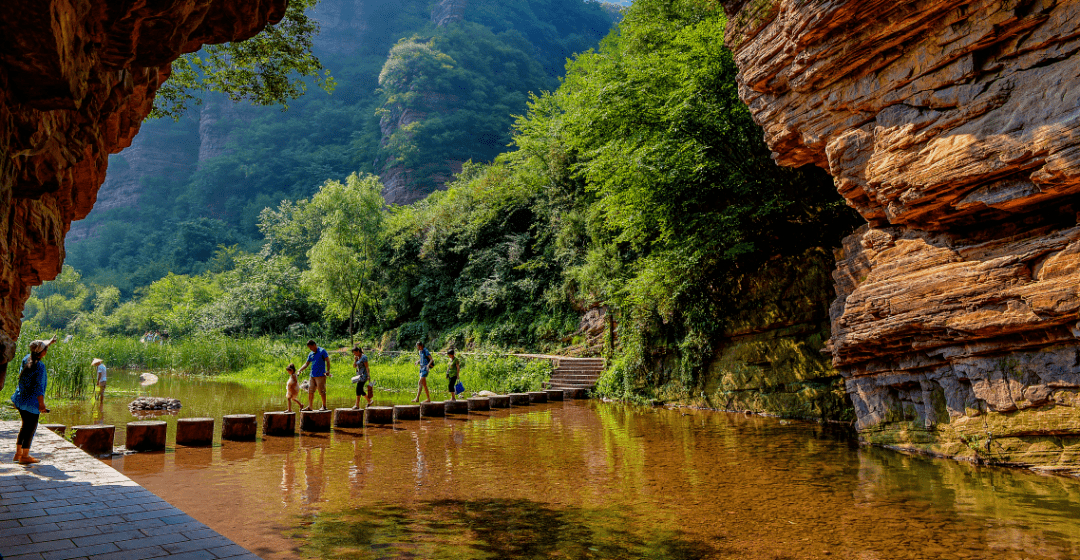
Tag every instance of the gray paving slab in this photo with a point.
(73, 506)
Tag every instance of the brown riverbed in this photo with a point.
(583, 479)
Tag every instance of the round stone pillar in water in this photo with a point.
(554, 394)
(479, 404)
(238, 427)
(279, 423)
(349, 418)
(145, 435)
(94, 440)
(379, 415)
(517, 399)
(537, 396)
(315, 420)
(576, 393)
(432, 409)
(56, 428)
(460, 406)
(500, 401)
(195, 432)
(406, 412)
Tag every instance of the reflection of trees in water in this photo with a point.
(474, 529)
(948, 505)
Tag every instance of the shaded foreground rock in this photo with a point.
(952, 129)
(77, 78)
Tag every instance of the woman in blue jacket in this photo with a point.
(29, 398)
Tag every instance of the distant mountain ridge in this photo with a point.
(210, 174)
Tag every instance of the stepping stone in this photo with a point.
(279, 423)
(406, 412)
(195, 431)
(537, 397)
(518, 399)
(238, 427)
(349, 418)
(577, 393)
(145, 435)
(379, 415)
(58, 429)
(460, 406)
(500, 401)
(554, 394)
(433, 409)
(94, 439)
(315, 420)
(479, 404)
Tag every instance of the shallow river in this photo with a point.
(582, 479)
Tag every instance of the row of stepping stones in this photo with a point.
(149, 435)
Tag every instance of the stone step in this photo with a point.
(579, 371)
(571, 385)
(575, 376)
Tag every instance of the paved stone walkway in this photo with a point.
(72, 506)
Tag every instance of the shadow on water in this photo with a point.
(482, 529)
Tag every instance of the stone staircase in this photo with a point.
(576, 373)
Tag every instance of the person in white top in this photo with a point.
(101, 375)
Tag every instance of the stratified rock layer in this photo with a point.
(952, 127)
(77, 77)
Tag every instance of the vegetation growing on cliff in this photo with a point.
(640, 184)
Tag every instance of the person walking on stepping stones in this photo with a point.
(426, 363)
(292, 389)
(319, 360)
(363, 376)
(453, 372)
(29, 398)
(102, 375)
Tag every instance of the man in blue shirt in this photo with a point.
(319, 360)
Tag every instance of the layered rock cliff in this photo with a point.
(952, 127)
(77, 78)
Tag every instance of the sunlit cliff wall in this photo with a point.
(77, 77)
(952, 128)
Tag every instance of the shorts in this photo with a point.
(451, 384)
(317, 383)
(363, 388)
(100, 383)
(423, 373)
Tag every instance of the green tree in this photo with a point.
(343, 259)
(267, 69)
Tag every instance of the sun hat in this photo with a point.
(39, 346)
(97, 361)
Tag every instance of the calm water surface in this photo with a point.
(583, 479)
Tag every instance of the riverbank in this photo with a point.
(74, 506)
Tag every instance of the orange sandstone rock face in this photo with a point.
(77, 77)
(954, 129)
